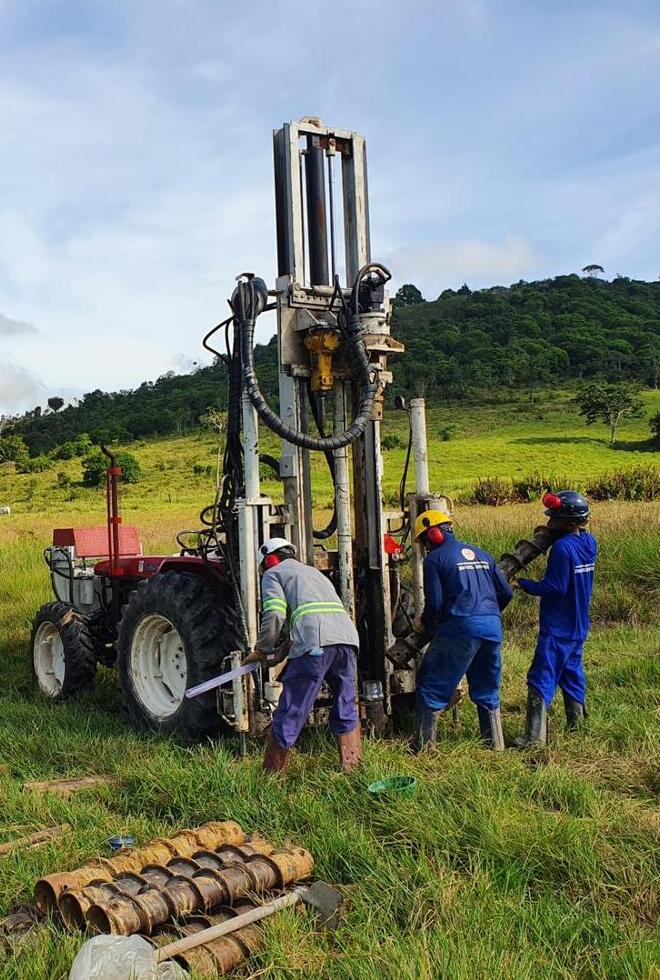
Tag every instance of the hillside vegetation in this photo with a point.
(480, 346)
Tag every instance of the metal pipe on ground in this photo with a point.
(75, 904)
(204, 891)
(217, 956)
(48, 890)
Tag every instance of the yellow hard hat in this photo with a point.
(430, 518)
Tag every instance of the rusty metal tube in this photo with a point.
(219, 956)
(48, 890)
(204, 890)
(74, 904)
(526, 551)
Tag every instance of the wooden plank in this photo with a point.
(66, 787)
(34, 840)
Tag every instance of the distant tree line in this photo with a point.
(458, 346)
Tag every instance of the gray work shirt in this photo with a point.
(302, 596)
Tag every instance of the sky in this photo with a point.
(507, 139)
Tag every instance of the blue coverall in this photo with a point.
(464, 593)
(565, 593)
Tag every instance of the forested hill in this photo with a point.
(459, 346)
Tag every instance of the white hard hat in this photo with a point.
(272, 545)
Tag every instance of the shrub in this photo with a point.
(74, 448)
(655, 428)
(530, 487)
(63, 480)
(448, 432)
(492, 490)
(96, 463)
(38, 464)
(637, 483)
(392, 441)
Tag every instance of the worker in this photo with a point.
(323, 647)
(565, 592)
(464, 594)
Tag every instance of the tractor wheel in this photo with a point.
(62, 651)
(174, 633)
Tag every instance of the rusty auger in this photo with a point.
(48, 891)
(219, 956)
(209, 879)
(526, 551)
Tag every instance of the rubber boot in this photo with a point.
(427, 729)
(350, 749)
(276, 758)
(536, 732)
(575, 712)
(490, 727)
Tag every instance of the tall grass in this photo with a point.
(511, 865)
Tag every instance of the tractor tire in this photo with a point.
(174, 633)
(62, 651)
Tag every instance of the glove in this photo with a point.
(255, 656)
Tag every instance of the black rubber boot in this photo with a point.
(575, 712)
(490, 728)
(536, 732)
(427, 729)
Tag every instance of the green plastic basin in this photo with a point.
(393, 785)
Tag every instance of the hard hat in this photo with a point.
(271, 546)
(430, 518)
(566, 503)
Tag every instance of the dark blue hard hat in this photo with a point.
(566, 503)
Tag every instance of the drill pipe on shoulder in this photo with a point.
(526, 551)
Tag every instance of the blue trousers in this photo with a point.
(557, 663)
(445, 662)
(301, 684)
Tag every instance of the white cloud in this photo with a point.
(18, 389)
(10, 326)
(437, 266)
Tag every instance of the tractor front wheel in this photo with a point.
(62, 651)
(174, 633)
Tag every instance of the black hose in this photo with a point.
(331, 527)
(249, 308)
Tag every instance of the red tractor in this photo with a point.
(166, 622)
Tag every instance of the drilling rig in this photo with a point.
(172, 622)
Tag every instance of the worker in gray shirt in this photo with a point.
(323, 647)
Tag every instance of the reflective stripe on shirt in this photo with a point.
(315, 608)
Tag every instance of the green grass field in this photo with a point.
(502, 865)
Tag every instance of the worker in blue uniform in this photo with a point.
(464, 594)
(565, 592)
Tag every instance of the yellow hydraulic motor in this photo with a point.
(322, 344)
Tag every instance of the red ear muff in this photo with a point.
(551, 501)
(435, 536)
(270, 561)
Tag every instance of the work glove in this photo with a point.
(255, 656)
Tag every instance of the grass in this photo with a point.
(511, 865)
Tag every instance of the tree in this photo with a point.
(96, 463)
(216, 421)
(593, 270)
(408, 295)
(609, 402)
(655, 428)
(55, 403)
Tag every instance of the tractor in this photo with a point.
(170, 623)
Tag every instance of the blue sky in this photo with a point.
(507, 139)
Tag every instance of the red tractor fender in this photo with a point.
(213, 571)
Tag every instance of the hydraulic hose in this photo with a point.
(250, 301)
